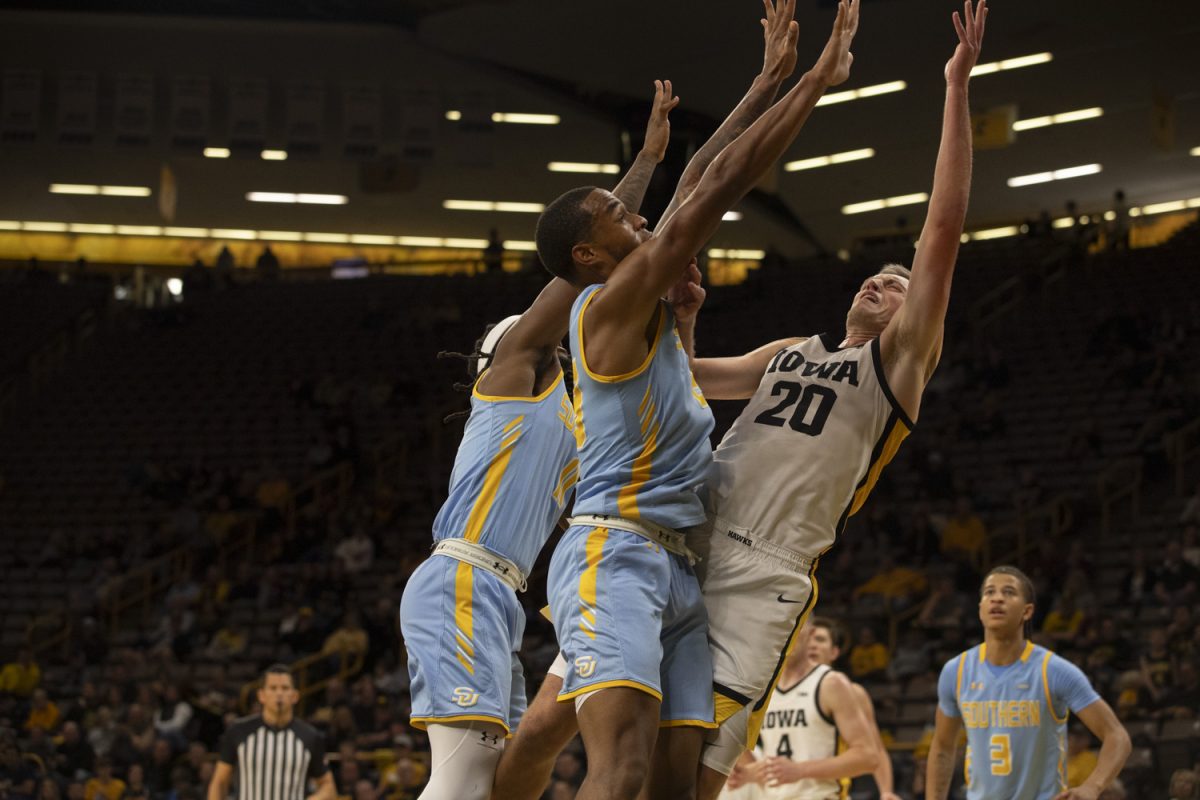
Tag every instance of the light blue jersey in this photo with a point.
(1016, 720)
(463, 625)
(642, 436)
(513, 474)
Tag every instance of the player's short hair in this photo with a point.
(1028, 593)
(836, 633)
(278, 669)
(895, 269)
(562, 225)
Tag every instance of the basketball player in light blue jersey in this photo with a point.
(625, 601)
(514, 473)
(1014, 698)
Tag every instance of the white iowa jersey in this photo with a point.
(809, 446)
(795, 728)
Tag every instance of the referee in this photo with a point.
(274, 753)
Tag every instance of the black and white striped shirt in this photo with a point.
(273, 763)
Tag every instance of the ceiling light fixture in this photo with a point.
(491, 205)
(512, 117)
(1011, 63)
(865, 91)
(274, 155)
(1054, 175)
(1057, 119)
(887, 202)
(833, 158)
(216, 152)
(589, 169)
(752, 255)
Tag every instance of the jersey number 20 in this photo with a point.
(804, 417)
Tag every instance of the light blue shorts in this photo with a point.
(462, 627)
(629, 613)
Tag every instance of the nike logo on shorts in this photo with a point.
(783, 599)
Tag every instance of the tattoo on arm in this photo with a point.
(760, 97)
(632, 188)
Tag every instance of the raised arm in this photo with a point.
(780, 32)
(632, 292)
(632, 188)
(1114, 750)
(911, 344)
(527, 352)
(859, 757)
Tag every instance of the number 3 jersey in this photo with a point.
(809, 446)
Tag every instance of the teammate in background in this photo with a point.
(274, 754)
(819, 731)
(826, 415)
(1014, 698)
(625, 601)
(528, 761)
(513, 474)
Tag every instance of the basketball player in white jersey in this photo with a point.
(826, 414)
(806, 742)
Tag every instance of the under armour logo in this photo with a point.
(585, 666)
(465, 697)
(496, 565)
(1022, 685)
(976, 686)
(489, 739)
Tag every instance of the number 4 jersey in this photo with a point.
(809, 446)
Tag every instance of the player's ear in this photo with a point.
(584, 254)
(1028, 615)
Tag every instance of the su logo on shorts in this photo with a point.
(585, 666)
(465, 697)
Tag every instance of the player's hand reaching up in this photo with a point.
(687, 295)
(970, 40)
(833, 67)
(780, 33)
(658, 130)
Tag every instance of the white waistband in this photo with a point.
(479, 556)
(761, 547)
(673, 541)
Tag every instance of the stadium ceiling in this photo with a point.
(1135, 61)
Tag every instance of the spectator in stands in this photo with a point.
(271, 496)
(135, 738)
(135, 788)
(104, 785)
(913, 656)
(964, 536)
(349, 638)
(224, 268)
(944, 608)
(1138, 584)
(899, 586)
(1180, 700)
(1189, 544)
(1156, 661)
(1185, 785)
(172, 717)
(356, 551)
(380, 624)
(21, 676)
(1081, 758)
(493, 254)
(227, 642)
(1062, 625)
(1180, 632)
(18, 778)
(43, 713)
(869, 657)
(1175, 580)
(158, 771)
(267, 265)
(102, 732)
(40, 745)
(75, 755)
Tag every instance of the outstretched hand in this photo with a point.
(687, 295)
(970, 39)
(780, 33)
(658, 129)
(833, 67)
